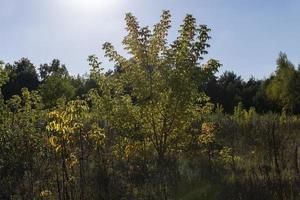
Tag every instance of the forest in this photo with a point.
(163, 124)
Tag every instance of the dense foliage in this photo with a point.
(160, 126)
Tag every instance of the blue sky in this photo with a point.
(246, 35)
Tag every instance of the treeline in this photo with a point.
(51, 80)
(153, 128)
(279, 92)
(274, 94)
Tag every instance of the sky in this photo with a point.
(247, 35)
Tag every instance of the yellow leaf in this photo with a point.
(57, 148)
(53, 141)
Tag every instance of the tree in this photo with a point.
(155, 100)
(55, 87)
(53, 69)
(21, 74)
(3, 74)
(225, 90)
(284, 86)
(69, 129)
(56, 83)
(22, 158)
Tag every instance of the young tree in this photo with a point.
(154, 98)
(70, 130)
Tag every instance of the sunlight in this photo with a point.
(90, 6)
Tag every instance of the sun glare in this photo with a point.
(92, 5)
